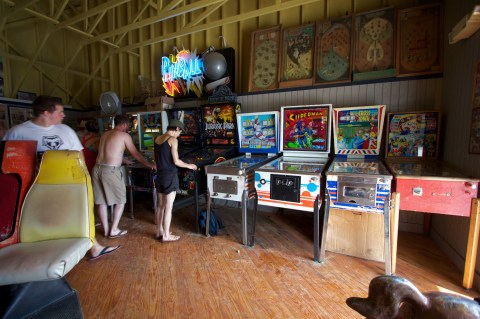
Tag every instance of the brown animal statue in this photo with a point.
(391, 297)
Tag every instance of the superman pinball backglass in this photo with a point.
(305, 129)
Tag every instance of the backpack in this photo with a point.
(215, 223)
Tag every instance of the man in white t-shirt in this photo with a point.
(49, 132)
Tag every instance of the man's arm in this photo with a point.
(135, 153)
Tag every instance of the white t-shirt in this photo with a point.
(54, 137)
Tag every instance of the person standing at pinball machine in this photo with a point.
(108, 180)
(90, 141)
(167, 183)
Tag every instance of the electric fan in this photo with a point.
(110, 103)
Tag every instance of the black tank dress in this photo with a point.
(167, 172)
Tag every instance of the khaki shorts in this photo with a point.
(108, 185)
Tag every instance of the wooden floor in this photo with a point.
(217, 277)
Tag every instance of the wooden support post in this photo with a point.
(472, 245)
(394, 219)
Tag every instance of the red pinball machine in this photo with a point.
(424, 183)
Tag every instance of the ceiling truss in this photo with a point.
(89, 21)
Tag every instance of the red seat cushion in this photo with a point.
(10, 190)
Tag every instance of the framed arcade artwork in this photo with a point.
(264, 59)
(333, 50)
(476, 86)
(413, 135)
(420, 40)
(3, 119)
(474, 145)
(296, 67)
(374, 45)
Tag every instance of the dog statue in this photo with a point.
(392, 297)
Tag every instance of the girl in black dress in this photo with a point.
(167, 160)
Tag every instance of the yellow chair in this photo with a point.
(56, 227)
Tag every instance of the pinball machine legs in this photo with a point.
(207, 222)
(472, 244)
(244, 217)
(316, 228)
(326, 212)
(254, 218)
(388, 227)
(246, 196)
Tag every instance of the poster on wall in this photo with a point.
(420, 40)
(264, 59)
(18, 115)
(333, 50)
(374, 45)
(3, 120)
(296, 67)
(476, 86)
(1, 74)
(474, 146)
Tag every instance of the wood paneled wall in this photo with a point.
(402, 95)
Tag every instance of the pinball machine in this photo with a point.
(192, 138)
(233, 179)
(220, 137)
(426, 184)
(294, 180)
(357, 180)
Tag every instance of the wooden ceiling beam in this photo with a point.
(96, 22)
(33, 59)
(15, 7)
(60, 9)
(91, 12)
(214, 24)
(23, 59)
(137, 16)
(204, 15)
(162, 16)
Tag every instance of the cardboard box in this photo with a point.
(159, 103)
(357, 234)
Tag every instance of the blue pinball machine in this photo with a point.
(233, 179)
(357, 179)
(295, 180)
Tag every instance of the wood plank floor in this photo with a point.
(217, 277)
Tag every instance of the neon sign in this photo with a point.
(182, 73)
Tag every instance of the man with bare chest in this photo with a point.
(107, 177)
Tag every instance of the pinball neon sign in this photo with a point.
(182, 73)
